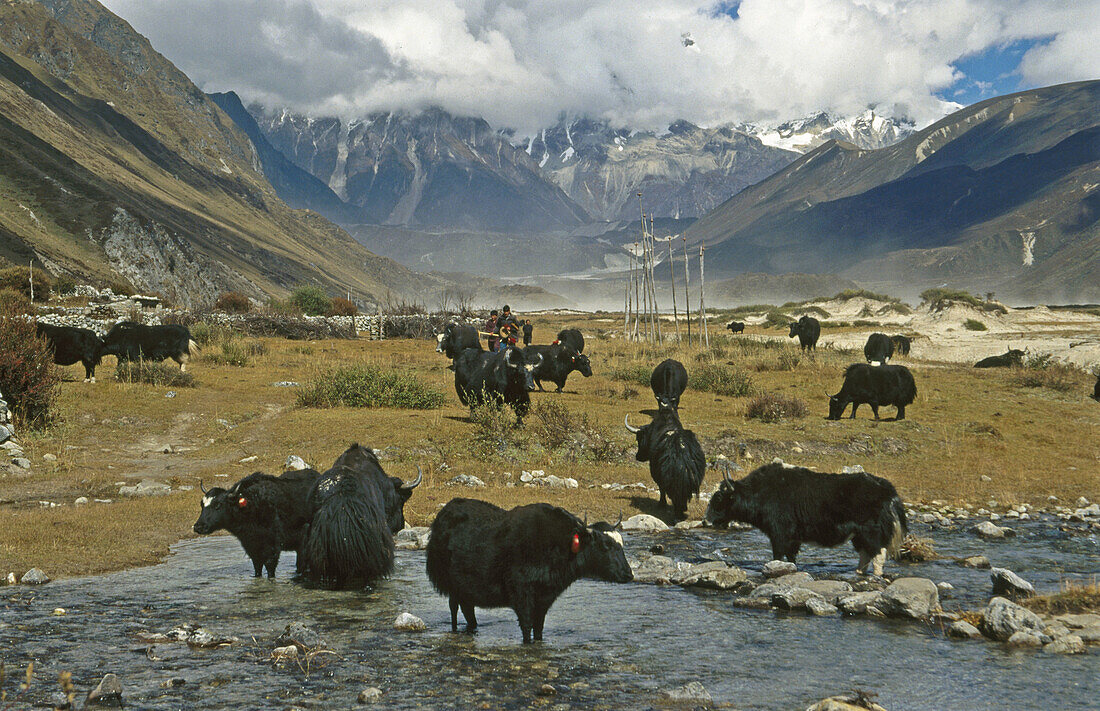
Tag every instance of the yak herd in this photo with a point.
(341, 523)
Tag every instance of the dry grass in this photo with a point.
(1073, 598)
(1048, 442)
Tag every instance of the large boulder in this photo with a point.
(301, 635)
(34, 576)
(644, 522)
(1002, 618)
(913, 598)
(1008, 584)
(1069, 644)
(858, 603)
(716, 575)
(776, 568)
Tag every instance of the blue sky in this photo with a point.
(991, 73)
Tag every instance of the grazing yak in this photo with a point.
(354, 509)
(1009, 359)
(480, 555)
(808, 330)
(134, 341)
(676, 460)
(267, 514)
(571, 338)
(455, 338)
(875, 385)
(1096, 389)
(555, 362)
(794, 505)
(71, 345)
(668, 381)
(878, 349)
(902, 344)
(499, 378)
(735, 327)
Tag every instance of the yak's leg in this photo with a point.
(664, 500)
(792, 551)
(899, 416)
(540, 618)
(526, 623)
(89, 372)
(854, 406)
(272, 563)
(257, 567)
(779, 549)
(539, 383)
(471, 618)
(864, 561)
(878, 560)
(874, 409)
(454, 614)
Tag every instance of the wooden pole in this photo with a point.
(672, 274)
(637, 299)
(702, 299)
(687, 282)
(626, 300)
(653, 280)
(31, 269)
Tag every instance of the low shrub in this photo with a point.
(940, 298)
(773, 407)
(150, 373)
(369, 386)
(311, 300)
(777, 319)
(496, 432)
(18, 279)
(282, 307)
(789, 360)
(1051, 375)
(342, 307)
(1074, 598)
(849, 294)
(120, 287)
(634, 373)
(14, 302)
(572, 435)
(720, 380)
(973, 324)
(230, 352)
(233, 302)
(29, 380)
(64, 285)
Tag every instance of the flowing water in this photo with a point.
(607, 646)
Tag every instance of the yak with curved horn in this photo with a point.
(676, 459)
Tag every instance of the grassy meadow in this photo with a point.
(749, 399)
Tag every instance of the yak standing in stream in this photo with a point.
(480, 555)
(355, 509)
(794, 505)
(676, 459)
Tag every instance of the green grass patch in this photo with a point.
(773, 407)
(150, 373)
(720, 380)
(940, 298)
(369, 386)
(635, 373)
(973, 324)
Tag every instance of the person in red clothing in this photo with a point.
(491, 327)
(508, 326)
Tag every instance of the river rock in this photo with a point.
(974, 561)
(284, 655)
(300, 634)
(407, 622)
(828, 589)
(106, 694)
(850, 702)
(1002, 618)
(206, 639)
(794, 579)
(1007, 583)
(988, 529)
(793, 598)
(10, 580)
(146, 487)
(35, 576)
(81, 500)
(644, 522)
(690, 693)
(776, 568)
(913, 598)
(961, 629)
(294, 463)
(370, 695)
(5, 434)
(820, 608)
(21, 462)
(858, 603)
(1025, 638)
(466, 480)
(715, 575)
(657, 569)
(412, 538)
(688, 525)
(1068, 644)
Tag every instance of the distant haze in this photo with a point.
(641, 64)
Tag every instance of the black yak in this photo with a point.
(1009, 359)
(455, 338)
(668, 381)
(1096, 389)
(676, 460)
(267, 514)
(71, 345)
(794, 505)
(134, 341)
(902, 344)
(875, 385)
(355, 509)
(808, 330)
(480, 555)
(554, 363)
(735, 327)
(571, 338)
(878, 349)
(499, 378)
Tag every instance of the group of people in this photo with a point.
(506, 329)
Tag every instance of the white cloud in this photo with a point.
(519, 63)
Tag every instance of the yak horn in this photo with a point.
(726, 472)
(632, 430)
(415, 482)
(619, 523)
(202, 488)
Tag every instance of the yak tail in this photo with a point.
(348, 544)
(192, 347)
(898, 527)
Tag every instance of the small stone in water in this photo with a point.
(692, 692)
(370, 695)
(547, 690)
(174, 682)
(34, 576)
(58, 611)
(409, 623)
(107, 693)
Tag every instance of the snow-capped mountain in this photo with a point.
(867, 131)
(685, 171)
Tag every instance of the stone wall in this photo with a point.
(11, 453)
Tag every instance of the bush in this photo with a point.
(973, 324)
(789, 360)
(636, 373)
(720, 380)
(14, 302)
(342, 307)
(282, 307)
(150, 373)
(772, 407)
(233, 302)
(369, 386)
(849, 294)
(940, 298)
(1043, 371)
(231, 352)
(18, 279)
(495, 431)
(311, 300)
(777, 319)
(120, 287)
(571, 435)
(64, 285)
(29, 380)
